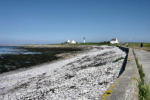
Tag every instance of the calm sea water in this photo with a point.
(14, 50)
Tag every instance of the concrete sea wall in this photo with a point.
(125, 87)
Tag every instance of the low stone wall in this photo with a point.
(125, 87)
(125, 61)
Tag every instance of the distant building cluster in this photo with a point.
(74, 42)
(71, 42)
(114, 41)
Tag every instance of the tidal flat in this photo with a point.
(33, 56)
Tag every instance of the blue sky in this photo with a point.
(54, 21)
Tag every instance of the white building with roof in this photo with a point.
(114, 41)
(71, 41)
(68, 41)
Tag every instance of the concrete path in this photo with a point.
(125, 87)
(144, 59)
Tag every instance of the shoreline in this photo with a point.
(11, 62)
(63, 57)
(89, 73)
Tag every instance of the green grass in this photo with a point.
(94, 43)
(88, 43)
(118, 59)
(146, 46)
(140, 69)
(133, 44)
(144, 89)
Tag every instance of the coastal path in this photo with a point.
(144, 60)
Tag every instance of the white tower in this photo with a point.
(83, 39)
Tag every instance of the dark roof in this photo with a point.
(114, 39)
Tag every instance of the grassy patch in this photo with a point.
(144, 89)
(94, 43)
(118, 59)
(88, 43)
(146, 46)
(140, 69)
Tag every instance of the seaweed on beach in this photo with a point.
(14, 61)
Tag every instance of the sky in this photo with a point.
(55, 21)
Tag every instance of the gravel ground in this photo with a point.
(83, 77)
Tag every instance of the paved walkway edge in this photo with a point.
(125, 87)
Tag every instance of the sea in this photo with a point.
(14, 50)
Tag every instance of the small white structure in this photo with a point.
(83, 39)
(114, 41)
(68, 41)
(71, 41)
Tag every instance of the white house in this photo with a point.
(71, 41)
(114, 41)
(68, 41)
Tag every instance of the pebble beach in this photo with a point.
(85, 76)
